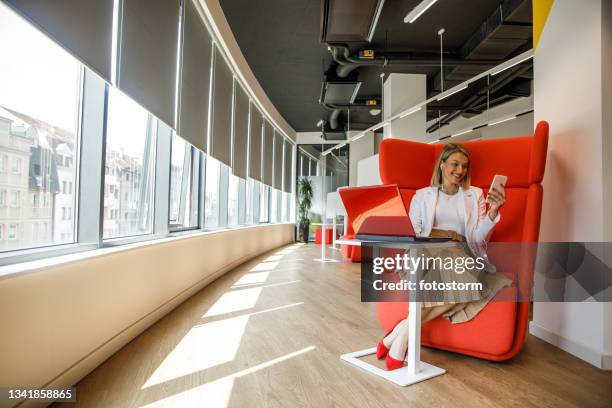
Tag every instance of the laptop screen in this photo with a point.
(377, 210)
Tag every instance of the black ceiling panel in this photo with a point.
(280, 40)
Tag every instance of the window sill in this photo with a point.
(85, 251)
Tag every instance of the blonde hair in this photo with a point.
(450, 148)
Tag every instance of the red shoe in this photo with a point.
(381, 349)
(393, 364)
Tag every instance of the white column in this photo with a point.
(572, 92)
(359, 149)
(400, 92)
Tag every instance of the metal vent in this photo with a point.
(349, 21)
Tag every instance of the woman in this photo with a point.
(450, 207)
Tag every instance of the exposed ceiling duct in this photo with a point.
(349, 21)
(506, 31)
(367, 37)
(333, 134)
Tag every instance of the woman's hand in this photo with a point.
(496, 199)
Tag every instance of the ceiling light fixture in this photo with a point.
(354, 95)
(501, 121)
(418, 10)
(452, 93)
(462, 133)
(379, 126)
(502, 69)
(411, 111)
(374, 112)
(379, 7)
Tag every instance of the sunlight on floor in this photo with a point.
(264, 266)
(266, 286)
(273, 309)
(234, 301)
(252, 278)
(274, 258)
(218, 392)
(204, 346)
(217, 342)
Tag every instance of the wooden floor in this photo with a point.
(270, 333)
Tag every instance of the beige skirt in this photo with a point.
(468, 302)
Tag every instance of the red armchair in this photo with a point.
(498, 332)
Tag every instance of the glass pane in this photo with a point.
(285, 207)
(39, 105)
(184, 186)
(273, 206)
(211, 206)
(249, 201)
(242, 203)
(129, 171)
(252, 189)
(232, 200)
(264, 198)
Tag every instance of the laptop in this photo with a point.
(378, 213)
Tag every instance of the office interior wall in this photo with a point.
(569, 83)
(359, 149)
(400, 92)
(368, 172)
(312, 138)
(606, 21)
(72, 313)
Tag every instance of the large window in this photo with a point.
(184, 185)
(213, 178)
(83, 163)
(39, 106)
(129, 168)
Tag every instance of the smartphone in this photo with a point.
(499, 183)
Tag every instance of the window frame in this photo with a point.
(157, 133)
(88, 91)
(194, 157)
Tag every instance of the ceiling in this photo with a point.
(280, 40)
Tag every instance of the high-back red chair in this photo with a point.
(498, 332)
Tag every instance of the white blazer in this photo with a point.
(478, 225)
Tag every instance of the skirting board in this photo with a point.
(586, 353)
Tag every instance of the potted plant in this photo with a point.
(304, 204)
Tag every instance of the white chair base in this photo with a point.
(400, 376)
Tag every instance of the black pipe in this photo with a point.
(333, 119)
(347, 63)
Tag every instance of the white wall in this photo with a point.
(368, 171)
(359, 149)
(62, 317)
(400, 92)
(312, 138)
(607, 157)
(568, 94)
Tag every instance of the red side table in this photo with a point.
(328, 235)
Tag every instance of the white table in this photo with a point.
(334, 208)
(323, 258)
(416, 370)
